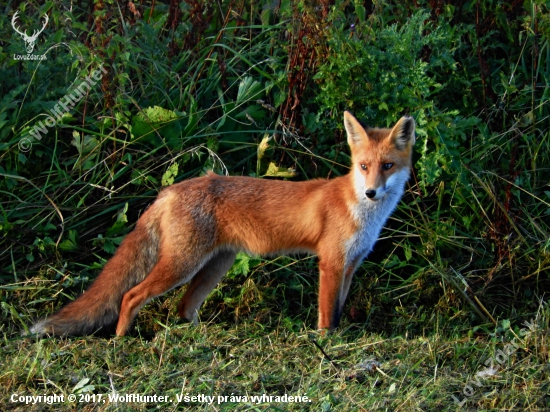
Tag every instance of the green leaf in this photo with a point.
(84, 144)
(110, 245)
(360, 11)
(120, 223)
(83, 387)
(81, 384)
(383, 106)
(275, 171)
(242, 265)
(408, 252)
(153, 120)
(248, 89)
(279, 98)
(311, 122)
(71, 243)
(169, 176)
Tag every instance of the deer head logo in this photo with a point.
(29, 40)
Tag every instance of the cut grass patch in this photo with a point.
(356, 370)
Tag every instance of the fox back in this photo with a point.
(193, 231)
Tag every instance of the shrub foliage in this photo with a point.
(259, 88)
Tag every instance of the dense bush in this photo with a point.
(192, 86)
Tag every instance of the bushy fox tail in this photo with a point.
(100, 305)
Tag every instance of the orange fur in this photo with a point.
(194, 229)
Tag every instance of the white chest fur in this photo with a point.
(370, 216)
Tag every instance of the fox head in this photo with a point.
(381, 158)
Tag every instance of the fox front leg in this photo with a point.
(332, 293)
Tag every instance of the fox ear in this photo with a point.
(402, 134)
(356, 132)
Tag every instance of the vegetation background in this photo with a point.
(258, 88)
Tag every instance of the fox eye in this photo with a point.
(387, 166)
(363, 166)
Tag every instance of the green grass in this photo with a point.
(356, 370)
(256, 336)
(462, 264)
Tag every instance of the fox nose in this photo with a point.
(370, 193)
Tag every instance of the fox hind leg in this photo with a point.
(203, 283)
(165, 275)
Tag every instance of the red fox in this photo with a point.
(194, 229)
